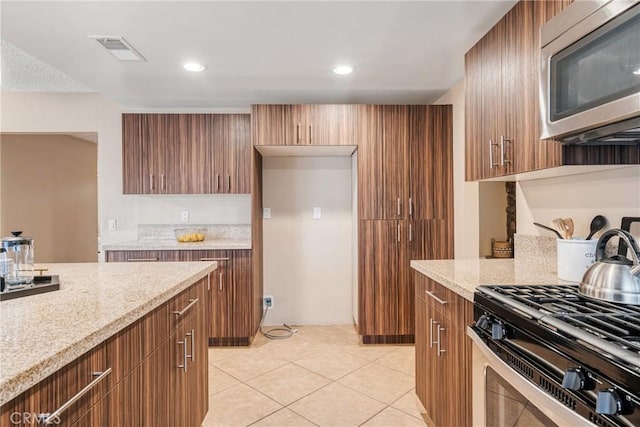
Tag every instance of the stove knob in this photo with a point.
(608, 403)
(497, 331)
(483, 322)
(573, 379)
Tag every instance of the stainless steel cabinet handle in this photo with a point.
(151, 182)
(310, 134)
(163, 182)
(192, 302)
(208, 282)
(410, 207)
(410, 233)
(398, 232)
(431, 341)
(142, 259)
(503, 158)
(491, 163)
(298, 133)
(183, 343)
(439, 349)
(433, 295)
(398, 203)
(220, 280)
(217, 182)
(228, 182)
(54, 417)
(192, 336)
(214, 259)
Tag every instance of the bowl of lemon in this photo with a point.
(190, 235)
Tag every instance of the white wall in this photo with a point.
(72, 112)
(613, 193)
(308, 262)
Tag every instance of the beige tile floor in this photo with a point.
(321, 376)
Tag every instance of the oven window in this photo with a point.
(600, 68)
(505, 407)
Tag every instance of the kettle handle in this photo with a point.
(624, 237)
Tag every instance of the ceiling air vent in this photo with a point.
(119, 48)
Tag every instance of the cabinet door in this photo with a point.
(162, 153)
(395, 171)
(177, 373)
(196, 377)
(267, 124)
(370, 161)
(240, 309)
(473, 111)
(422, 349)
(380, 275)
(220, 297)
(297, 124)
(231, 153)
(519, 138)
(193, 173)
(430, 161)
(332, 124)
(132, 154)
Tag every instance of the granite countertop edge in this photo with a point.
(32, 375)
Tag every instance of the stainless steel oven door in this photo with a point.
(493, 399)
(590, 67)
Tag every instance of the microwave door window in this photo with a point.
(599, 68)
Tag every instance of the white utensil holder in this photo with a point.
(575, 257)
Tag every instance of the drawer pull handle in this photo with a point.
(431, 323)
(51, 418)
(192, 336)
(192, 302)
(183, 343)
(433, 295)
(439, 349)
(220, 281)
(214, 259)
(142, 259)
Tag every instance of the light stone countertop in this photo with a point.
(40, 334)
(463, 276)
(172, 245)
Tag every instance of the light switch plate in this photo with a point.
(184, 216)
(266, 213)
(317, 213)
(112, 225)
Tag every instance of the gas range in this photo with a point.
(583, 352)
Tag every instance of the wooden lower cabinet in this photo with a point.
(146, 385)
(443, 353)
(232, 314)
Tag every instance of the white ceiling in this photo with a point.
(256, 52)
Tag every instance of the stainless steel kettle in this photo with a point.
(615, 278)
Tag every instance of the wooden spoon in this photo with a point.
(558, 224)
(568, 224)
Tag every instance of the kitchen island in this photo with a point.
(115, 315)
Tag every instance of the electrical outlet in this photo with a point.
(266, 213)
(267, 301)
(184, 216)
(112, 225)
(317, 213)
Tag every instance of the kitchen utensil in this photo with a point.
(626, 226)
(537, 224)
(597, 223)
(19, 254)
(560, 227)
(614, 278)
(569, 227)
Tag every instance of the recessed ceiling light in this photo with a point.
(343, 69)
(194, 66)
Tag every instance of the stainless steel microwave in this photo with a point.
(590, 73)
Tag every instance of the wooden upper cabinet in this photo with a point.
(502, 113)
(307, 124)
(370, 161)
(230, 153)
(395, 171)
(186, 153)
